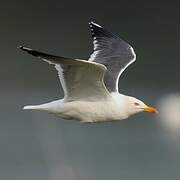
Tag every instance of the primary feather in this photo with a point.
(111, 51)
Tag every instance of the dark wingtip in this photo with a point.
(20, 47)
(91, 20)
(24, 48)
(99, 31)
(94, 23)
(28, 50)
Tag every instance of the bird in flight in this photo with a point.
(91, 86)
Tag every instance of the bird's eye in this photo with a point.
(136, 104)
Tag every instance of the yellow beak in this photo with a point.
(151, 110)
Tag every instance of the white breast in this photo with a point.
(94, 111)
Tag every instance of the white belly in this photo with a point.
(91, 111)
(87, 111)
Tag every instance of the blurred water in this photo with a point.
(40, 146)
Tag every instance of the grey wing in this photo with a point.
(81, 80)
(112, 52)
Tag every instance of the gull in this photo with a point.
(91, 86)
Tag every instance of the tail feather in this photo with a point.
(50, 107)
(36, 107)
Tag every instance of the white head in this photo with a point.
(137, 106)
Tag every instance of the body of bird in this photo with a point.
(91, 87)
(88, 111)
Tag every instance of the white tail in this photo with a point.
(37, 107)
(51, 106)
(41, 107)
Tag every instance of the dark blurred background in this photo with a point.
(36, 145)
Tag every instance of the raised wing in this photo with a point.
(81, 80)
(112, 52)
